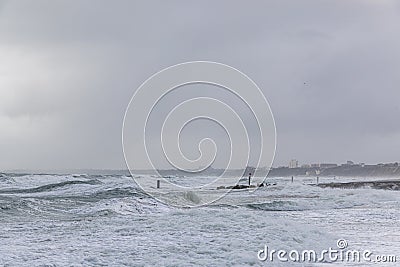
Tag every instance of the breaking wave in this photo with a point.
(107, 195)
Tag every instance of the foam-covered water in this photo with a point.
(93, 220)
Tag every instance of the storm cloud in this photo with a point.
(329, 69)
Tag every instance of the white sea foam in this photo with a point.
(108, 220)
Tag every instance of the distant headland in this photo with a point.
(293, 169)
(318, 169)
(347, 169)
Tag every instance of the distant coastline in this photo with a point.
(355, 170)
(346, 170)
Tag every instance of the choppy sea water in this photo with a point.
(94, 220)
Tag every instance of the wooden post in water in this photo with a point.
(317, 180)
(292, 179)
(158, 183)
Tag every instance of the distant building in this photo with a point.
(305, 166)
(323, 165)
(293, 164)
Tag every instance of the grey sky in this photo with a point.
(330, 70)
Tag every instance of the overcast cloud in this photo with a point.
(329, 69)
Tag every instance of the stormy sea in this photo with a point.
(107, 220)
